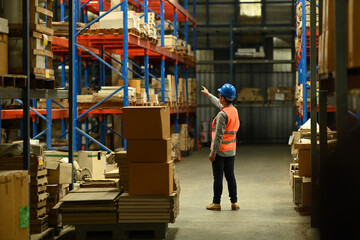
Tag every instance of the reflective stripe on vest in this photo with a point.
(229, 139)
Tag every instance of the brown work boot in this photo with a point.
(214, 206)
(234, 206)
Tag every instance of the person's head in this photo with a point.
(227, 94)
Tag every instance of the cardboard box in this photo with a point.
(306, 192)
(114, 20)
(304, 162)
(353, 34)
(146, 122)
(149, 151)
(151, 178)
(135, 83)
(95, 161)
(59, 172)
(4, 43)
(14, 202)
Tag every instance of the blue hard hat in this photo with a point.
(228, 91)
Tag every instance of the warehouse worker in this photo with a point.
(223, 147)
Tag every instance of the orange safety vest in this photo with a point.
(232, 126)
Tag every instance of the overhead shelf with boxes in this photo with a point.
(130, 49)
(334, 85)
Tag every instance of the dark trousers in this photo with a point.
(220, 166)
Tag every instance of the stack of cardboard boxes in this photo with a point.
(186, 142)
(151, 168)
(281, 94)
(300, 168)
(38, 195)
(14, 202)
(152, 196)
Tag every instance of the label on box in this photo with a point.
(45, 40)
(24, 217)
(280, 96)
(47, 73)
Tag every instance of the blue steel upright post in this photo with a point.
(162, 56)
(146, 51)
(124, 7)
(194, 46)
(187, 66)
(176, 76)
(303, 69)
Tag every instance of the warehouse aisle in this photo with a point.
(265, 198)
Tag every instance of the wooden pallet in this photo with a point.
(13, 80)
(123, 231)
(111, 31)
(40, 81)
(37, 205)
(39, 181)
(153, 41)
(37, 213)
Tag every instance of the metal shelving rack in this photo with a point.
(77, 52)
(124, 44)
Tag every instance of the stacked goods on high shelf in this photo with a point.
(191, 91)
(90, 205)
(281, 94)
(353, 34)
(300, 167)
(186, 142)
(61, 29)
(41, 103)
(14, 202)
(41, 36)
(170, 90)
(250, 95)
(299, 15)
(175, 147)
(4, 31)
(250, 53)
(181, 92)
(327, 40)
(152, 195)
(298, 39)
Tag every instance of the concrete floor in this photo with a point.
(265, 199)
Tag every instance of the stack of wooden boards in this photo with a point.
(56, 193)
(300, 167)
(186, 142)
(90, 206)
(38, 196)
(41, 37)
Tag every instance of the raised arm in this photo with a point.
(212, 98)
